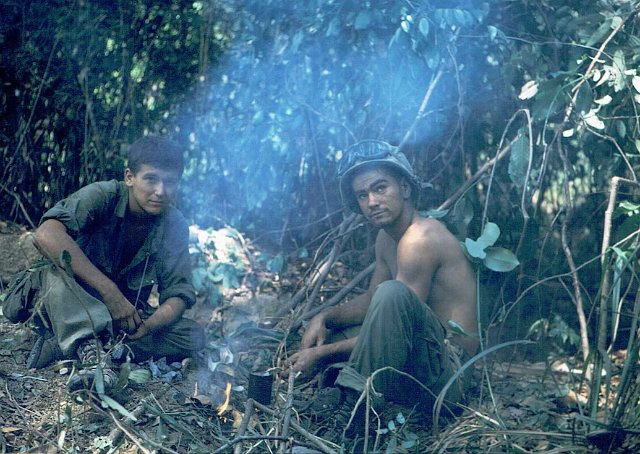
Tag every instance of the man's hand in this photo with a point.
(142, 331)
(305, 361)
(315, 334)
(124, 315)
(168, 312)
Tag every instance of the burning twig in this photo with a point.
(225, 405)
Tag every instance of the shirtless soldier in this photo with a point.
(422, 279)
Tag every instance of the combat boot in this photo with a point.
(92, 356)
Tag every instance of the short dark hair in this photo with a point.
(155, 151)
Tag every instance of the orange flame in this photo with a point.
(225, 405)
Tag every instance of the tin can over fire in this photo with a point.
(260, 387)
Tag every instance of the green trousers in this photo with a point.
(74, 315)
(401, 332)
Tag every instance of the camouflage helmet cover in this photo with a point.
(368, 152)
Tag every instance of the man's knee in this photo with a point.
(394, 295)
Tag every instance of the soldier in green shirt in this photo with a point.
(122, 238)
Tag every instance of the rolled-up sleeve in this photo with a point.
(80, 210)
(174, 263)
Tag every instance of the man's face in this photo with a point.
(381, 197)
(151, 189)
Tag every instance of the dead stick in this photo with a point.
(301, 430)
(116, 434)
(249, 407)
(337, 297)
(423, 106)
(287, 412)
(133, 439)
(237, 440)
(476, 176)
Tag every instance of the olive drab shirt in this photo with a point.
(95, 217)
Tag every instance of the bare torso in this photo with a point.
(447, 284)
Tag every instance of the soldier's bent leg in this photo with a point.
(402, 333)
(176, 342)
(73, 313)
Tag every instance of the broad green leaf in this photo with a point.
(500, 259)
(99, 380)
(519, 161)
(363, 20)
(621, 128)
(635, 81)
(276, 264)
(592, 120)
(140, 376)
(123, 377)
(65, 262)
(456, 328)
(437, 214)
(114, 405)
(528, 90)
(584, 99)
(474, 249)
(490, 234)
(423, 25)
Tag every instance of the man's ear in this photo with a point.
(406, 189)
(128, 177)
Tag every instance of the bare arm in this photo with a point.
(52, 238)
(313, 349)
(168, 313)
(418, 259)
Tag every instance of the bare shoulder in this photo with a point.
(431, 232)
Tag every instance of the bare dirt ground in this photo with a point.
(516, 407)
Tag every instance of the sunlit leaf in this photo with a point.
(528, 90)
(593, 121)
(490, 234)
(423, 26)
(500, 259)
(475, 249)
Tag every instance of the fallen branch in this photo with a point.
(287, 412)
(123, 429)
(476, 176)
(115, 435)
(249, 408)
(337, 297)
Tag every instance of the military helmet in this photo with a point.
(367, 152)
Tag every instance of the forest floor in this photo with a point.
(516, 407)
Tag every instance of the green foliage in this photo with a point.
(557, 331)
(266, 94)
(495, 258)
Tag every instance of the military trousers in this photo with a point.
(402, 333)
(73, 314)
